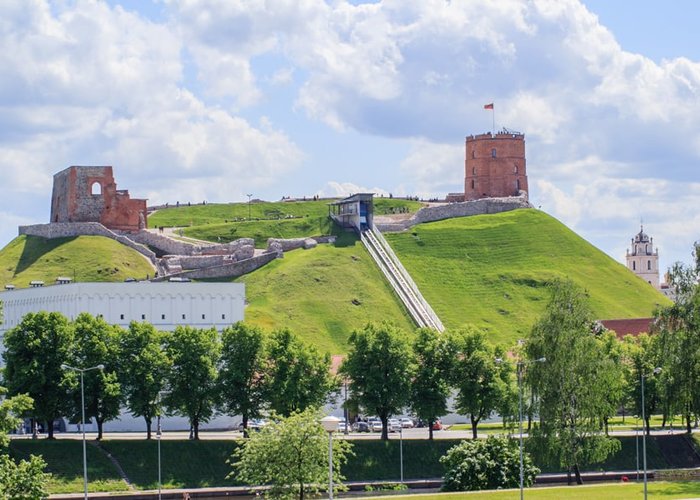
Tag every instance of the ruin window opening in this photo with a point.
(515, 169)
(493, 153)
(96, 189)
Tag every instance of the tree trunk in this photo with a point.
(430, 429)
(475, 423)
(49, 429)
(385, 427)
(35, 433)
(646, 424)
(148, 426)
(663, 421)
(579, 479)
(568, 476)
(99, 427)
(688, 425)
(301, 491)
(195, 429)
(245, 425)
(605, 423)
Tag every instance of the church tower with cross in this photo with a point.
(643, 258)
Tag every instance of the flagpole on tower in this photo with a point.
(493, 116)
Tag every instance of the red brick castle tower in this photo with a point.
(495, 165)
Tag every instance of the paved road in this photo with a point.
(222, 435)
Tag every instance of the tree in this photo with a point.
(96, 342)
(143, 366)
(35, 351)
(486, 464)
(380, 366)
(23, 480)
(571, 385)
(679, 329)
(298, 376)
(242, 377)
(642, 357)
(482, 383)
(433, 352)
(194, 353)
(290, 455)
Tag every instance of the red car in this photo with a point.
(437, 425)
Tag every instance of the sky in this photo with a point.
(193, 100)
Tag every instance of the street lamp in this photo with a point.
(159, 433)
(330, 424)
(249, 197)
(656, 371)
(82, 408)
(520, 365)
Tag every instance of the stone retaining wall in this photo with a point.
(232, 270)
(73, 229)
(463, 209)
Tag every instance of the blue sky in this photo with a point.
(195, 100)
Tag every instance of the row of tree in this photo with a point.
(189, 372)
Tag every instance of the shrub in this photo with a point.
(480, 464)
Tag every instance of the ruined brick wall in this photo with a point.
(494, 166)
(89, 194)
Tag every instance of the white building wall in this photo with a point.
(165, 305)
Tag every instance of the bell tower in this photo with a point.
(643, 259)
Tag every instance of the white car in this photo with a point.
(394, 425)
(375, 425)
(406, 423)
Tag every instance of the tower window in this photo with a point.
(473, 153)
(493, 153)
(634, 266)
(96, 188)
(517, 184)
(472, 183)
(648, 265)
(515, 169)
(473, 170)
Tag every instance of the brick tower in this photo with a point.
(643, 259)
(495, 165)
(89, 194)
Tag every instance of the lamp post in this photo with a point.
(401, 450)
(249, 197)
(159, 433)
(82, 419)
(656, 371)
(519, 367)
(330, 425)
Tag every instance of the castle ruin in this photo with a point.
(89, 194)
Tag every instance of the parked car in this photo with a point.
(394, 425)
(406, 423)
(375, 424)
(361, 426)
(254, 424)
(341, 425)
(437, 425)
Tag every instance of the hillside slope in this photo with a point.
(492, 271)
(322, 294)
(85, 258)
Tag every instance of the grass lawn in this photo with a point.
(618, 491)
(492, 271)
(322, 294)
(84, 258)
(197, 464)
(65, 463)
(226, 222)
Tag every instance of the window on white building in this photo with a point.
(184, 317)
(121, 316)
(223, 316)
(162, 316)
(204, 316)
(143, 316)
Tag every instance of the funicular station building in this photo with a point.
(354, 212)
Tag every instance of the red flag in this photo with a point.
(488, 106)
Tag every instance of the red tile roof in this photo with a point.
(624, 327)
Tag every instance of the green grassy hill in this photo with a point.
(492, 271)
(84, 258)
(322, 294)
(489, 270)
(262, 220)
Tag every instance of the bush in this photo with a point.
(481, 464)
(23, 480)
